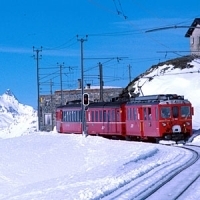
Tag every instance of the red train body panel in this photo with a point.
(106, 118)
(152, 117)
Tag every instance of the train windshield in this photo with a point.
(175, 113)
(165, 112)
(185, 111)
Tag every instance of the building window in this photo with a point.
(191, 40)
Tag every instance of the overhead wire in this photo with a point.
(62, 46)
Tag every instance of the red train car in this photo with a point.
(158, 117)
(68, 118)
(106, 119)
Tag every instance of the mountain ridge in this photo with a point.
(14, 115)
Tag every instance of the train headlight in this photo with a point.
(164, 124)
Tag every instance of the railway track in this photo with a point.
(153, 181)
(177, 188)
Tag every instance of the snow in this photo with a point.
(48, 165)
(61, 166)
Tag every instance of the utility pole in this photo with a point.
(101, 81)
(52, 106)
(38, 84)
(61, 89)
(82, 86)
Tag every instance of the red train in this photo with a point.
(152, 117)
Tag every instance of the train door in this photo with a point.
(141, 121)
(112, 119)
(58, 120)
(149, 121)
(122, 121)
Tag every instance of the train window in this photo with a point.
(80, 115)
(113, 115)
(62, 116)
(128, 114)
(149, 113)
(156, 113)
(175, 111)
(92, 113)
(109, 116)
(69, 116)
(77, 116)
(100, 115)
(74, 114)
(117, 116)
(134, 113)
(185, 111)
(165, 112)
(76, 119)
(104, 116)
(96, 116)
(138, 114)
(65, 116)
(145, 113)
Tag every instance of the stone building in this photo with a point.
(48, 103)
(194, 34)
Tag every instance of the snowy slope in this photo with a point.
(15, 118)
(63, 166)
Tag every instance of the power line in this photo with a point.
(170, 27)
(62, 46)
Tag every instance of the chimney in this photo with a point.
(88, 85)
(79, 83)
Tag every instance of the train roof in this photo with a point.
(106, 104)
(92, 104)
(156, 98)
(148, 99)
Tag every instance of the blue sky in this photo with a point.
(116, 38)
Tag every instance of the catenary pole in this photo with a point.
(61, 84)
(38, 85)
(81, 40)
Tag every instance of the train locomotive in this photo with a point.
(144, 118)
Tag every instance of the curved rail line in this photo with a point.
(128, 191)
(184, 190)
